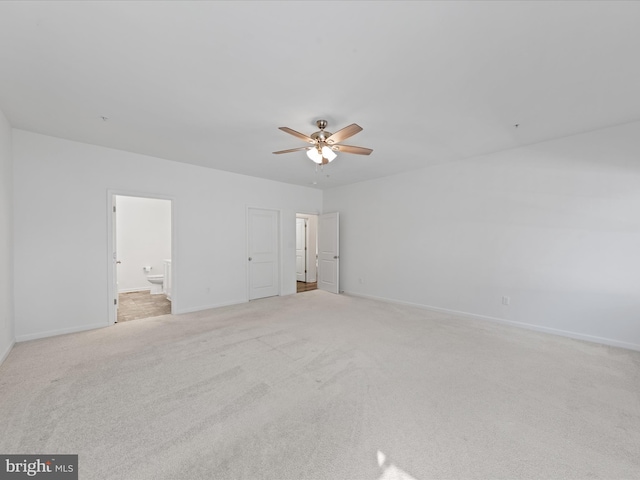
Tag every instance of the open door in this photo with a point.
(328, 252)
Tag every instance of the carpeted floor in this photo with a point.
(322, 386)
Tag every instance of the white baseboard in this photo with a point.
(554, 331)
(130, 290)
(6, 352)
(62, 331)
(210, 306)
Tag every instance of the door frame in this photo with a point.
(248, 248)
(311, 257)
(111, 276)
(306, 248)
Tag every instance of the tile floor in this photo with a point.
(136, 305)
(306, 287)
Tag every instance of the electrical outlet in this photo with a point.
(506, 300)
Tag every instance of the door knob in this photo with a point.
(118, 261)
(336, 257)
(250, 258)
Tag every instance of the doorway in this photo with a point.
(141, 256)
(306, 252)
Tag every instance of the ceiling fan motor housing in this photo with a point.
(321, 136)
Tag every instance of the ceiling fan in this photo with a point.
(324, 144)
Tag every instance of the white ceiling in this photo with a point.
(209, 83)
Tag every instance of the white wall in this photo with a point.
(143, 230)
(61, 230)
(554, 226)
(6, 239)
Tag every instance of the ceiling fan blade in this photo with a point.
(297, 134)
(343, 134)
(350, 149)
(292, 150)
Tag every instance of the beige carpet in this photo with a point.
(321, 386)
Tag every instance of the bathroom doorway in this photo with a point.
(306, 252)
(141, 246)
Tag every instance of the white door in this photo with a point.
(328, 252)
(264, 270)
(301, 249)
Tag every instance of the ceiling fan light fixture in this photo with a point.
(314, 155)
(328, 153)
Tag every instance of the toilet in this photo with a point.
(156, 282)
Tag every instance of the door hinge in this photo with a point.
(115, 301)
(114, 209)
